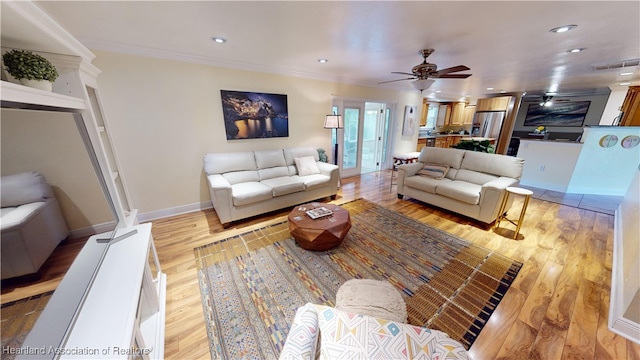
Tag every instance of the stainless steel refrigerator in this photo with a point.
(488, 124)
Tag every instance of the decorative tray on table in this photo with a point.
(319, 212)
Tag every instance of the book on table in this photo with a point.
(319, 212)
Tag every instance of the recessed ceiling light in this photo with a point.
(322, 61)
(438, 91)
(576, 50)
(625, 83)
(489, 88)
(626, 73)
(219, 40)
(564, 28)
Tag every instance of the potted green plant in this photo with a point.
(30, 69)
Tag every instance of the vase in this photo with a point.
(38, 84)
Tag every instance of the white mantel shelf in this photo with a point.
(16, 96)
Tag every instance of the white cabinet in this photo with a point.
(123, 310)
(112, 300)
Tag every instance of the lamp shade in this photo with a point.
(423, 84)
(333, 122)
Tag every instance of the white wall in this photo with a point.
(548, 164)
(50, 143)
(605, 170)
(164, 115)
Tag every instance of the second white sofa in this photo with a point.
(467, 182)
(245, 184)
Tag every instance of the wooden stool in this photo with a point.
(503, 214)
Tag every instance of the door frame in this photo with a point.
(340, 104)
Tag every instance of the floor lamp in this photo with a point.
(334, 122)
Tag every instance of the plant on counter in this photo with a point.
(540, 130)
(25, 65)
(474, 145)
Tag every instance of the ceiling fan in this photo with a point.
(422, 73)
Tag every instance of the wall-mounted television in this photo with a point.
(570, 113)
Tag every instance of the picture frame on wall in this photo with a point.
(559, 114)
(409, 123)
(254, 115)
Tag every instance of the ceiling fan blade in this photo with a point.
(454, 76)
(384, 82)
(453, 69)
(402, 73)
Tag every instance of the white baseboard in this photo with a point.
(148, 216)
(183, 209)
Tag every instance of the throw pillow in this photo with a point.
(434, 171)
(306, 165)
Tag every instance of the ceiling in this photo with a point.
(507, 44)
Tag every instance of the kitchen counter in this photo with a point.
(476, 138)
(439, 135)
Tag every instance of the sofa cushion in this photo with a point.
(250, 192)
(19, 215)
(284, 185)
(220, 163)
(269, 158)
(237, 177)
(434, 171)
(434, 155)
(460, 190)
(495, 164)
(24, 188)
(306, 165)
(424, 183)
(291, 154)
(315, 181)
(474, 177)
(274, 172)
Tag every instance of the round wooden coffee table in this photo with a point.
(319, 234)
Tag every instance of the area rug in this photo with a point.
(16, 320)
(252, 283)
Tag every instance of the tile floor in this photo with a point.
(599, 203)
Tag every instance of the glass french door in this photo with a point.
(365, 137)
(353, 115)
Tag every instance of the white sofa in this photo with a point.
(32, 224)
(473, 186)
(245, 184)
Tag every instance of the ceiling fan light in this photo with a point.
(422, 84)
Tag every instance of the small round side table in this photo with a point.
(503, 214)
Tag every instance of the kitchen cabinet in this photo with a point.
(500, 103)
(442, 142)
(631, 107)
(425, 111)
(469, 112)
(421, 143)
(444, 113)
(457, 113)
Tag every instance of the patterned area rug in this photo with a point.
(253, 283)
(17, 319)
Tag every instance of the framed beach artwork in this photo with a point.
(409, 124)
(570, 113)
(252, 115)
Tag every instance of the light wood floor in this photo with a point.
(557, 307)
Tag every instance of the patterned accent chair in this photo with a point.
(323, 332)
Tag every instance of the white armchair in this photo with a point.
(31, 221)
